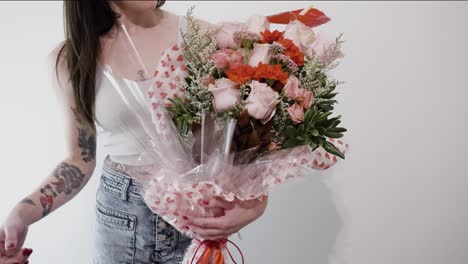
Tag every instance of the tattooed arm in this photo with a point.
(69, 176)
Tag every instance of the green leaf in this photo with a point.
(308, 115)
(317, 141)
(313, 145)
(290, 132)
(184, 128)
(315, 132)
(321, 130)
(325, 107)
(328, 95)
(335, 121)
(332, 134)
(337, 130)
(300, 130)
(330, 148)
(322, 116)
(289, 143)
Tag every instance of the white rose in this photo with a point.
(225, 93)
(300, 34)
(260, 53)
(262, 101)
(257, 24)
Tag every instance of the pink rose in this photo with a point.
(224, 34)
(305, 98)
(260, 53)
(220, 59)
(225, 93)
(296, 113)
(256, 24)
(225, 59)
(207, 80)
(237, 57)
(300, 34)
(262, 101)
(320, 45)
(291, 88)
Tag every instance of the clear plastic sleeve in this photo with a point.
(202, 166)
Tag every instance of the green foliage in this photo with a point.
(317, 126)
(181, 115)
(197, 47)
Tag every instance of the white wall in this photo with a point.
(400, 196)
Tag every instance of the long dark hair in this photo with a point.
(85, 22)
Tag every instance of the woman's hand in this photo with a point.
(12, 235)
(237, 215)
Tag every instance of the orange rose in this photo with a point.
(269, 37)
(269, 71)
(292, 51)
(241, 73)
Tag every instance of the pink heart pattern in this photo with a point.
(170, 66)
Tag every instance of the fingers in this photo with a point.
(210, 223)
(21, 238)
(24, 256)
(11, 237)
(218, 203)
(2, 241)
(11, 240)
(21, 257)
(209, 234)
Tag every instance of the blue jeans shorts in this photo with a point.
(127, 232)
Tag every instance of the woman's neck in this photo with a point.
(135, 21)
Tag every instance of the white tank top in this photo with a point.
(110, 109)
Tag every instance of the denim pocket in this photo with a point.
(115, 236)
(115, 219)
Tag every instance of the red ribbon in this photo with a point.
(214, 247)
(312, 18)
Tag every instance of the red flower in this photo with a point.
(269, 71)
(269, 37)
(292, 51)
(240, 73)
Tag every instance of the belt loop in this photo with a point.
(124, 190)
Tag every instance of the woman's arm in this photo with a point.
(69, 176)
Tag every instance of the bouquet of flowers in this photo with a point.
(250, 109)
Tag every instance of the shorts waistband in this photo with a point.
(116, 180)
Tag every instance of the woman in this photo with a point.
(127, 231)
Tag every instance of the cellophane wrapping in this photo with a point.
(201, 166)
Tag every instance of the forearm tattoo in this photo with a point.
(87, 144)
(67, 178)
(86, 141)
(28, 201)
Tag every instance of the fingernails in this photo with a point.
(206, 202)
(27, 252)
(11, 245)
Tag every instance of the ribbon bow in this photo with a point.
(310, 16)
(213, 250)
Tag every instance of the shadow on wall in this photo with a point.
(303, 224)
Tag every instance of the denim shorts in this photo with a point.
(127, 232)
